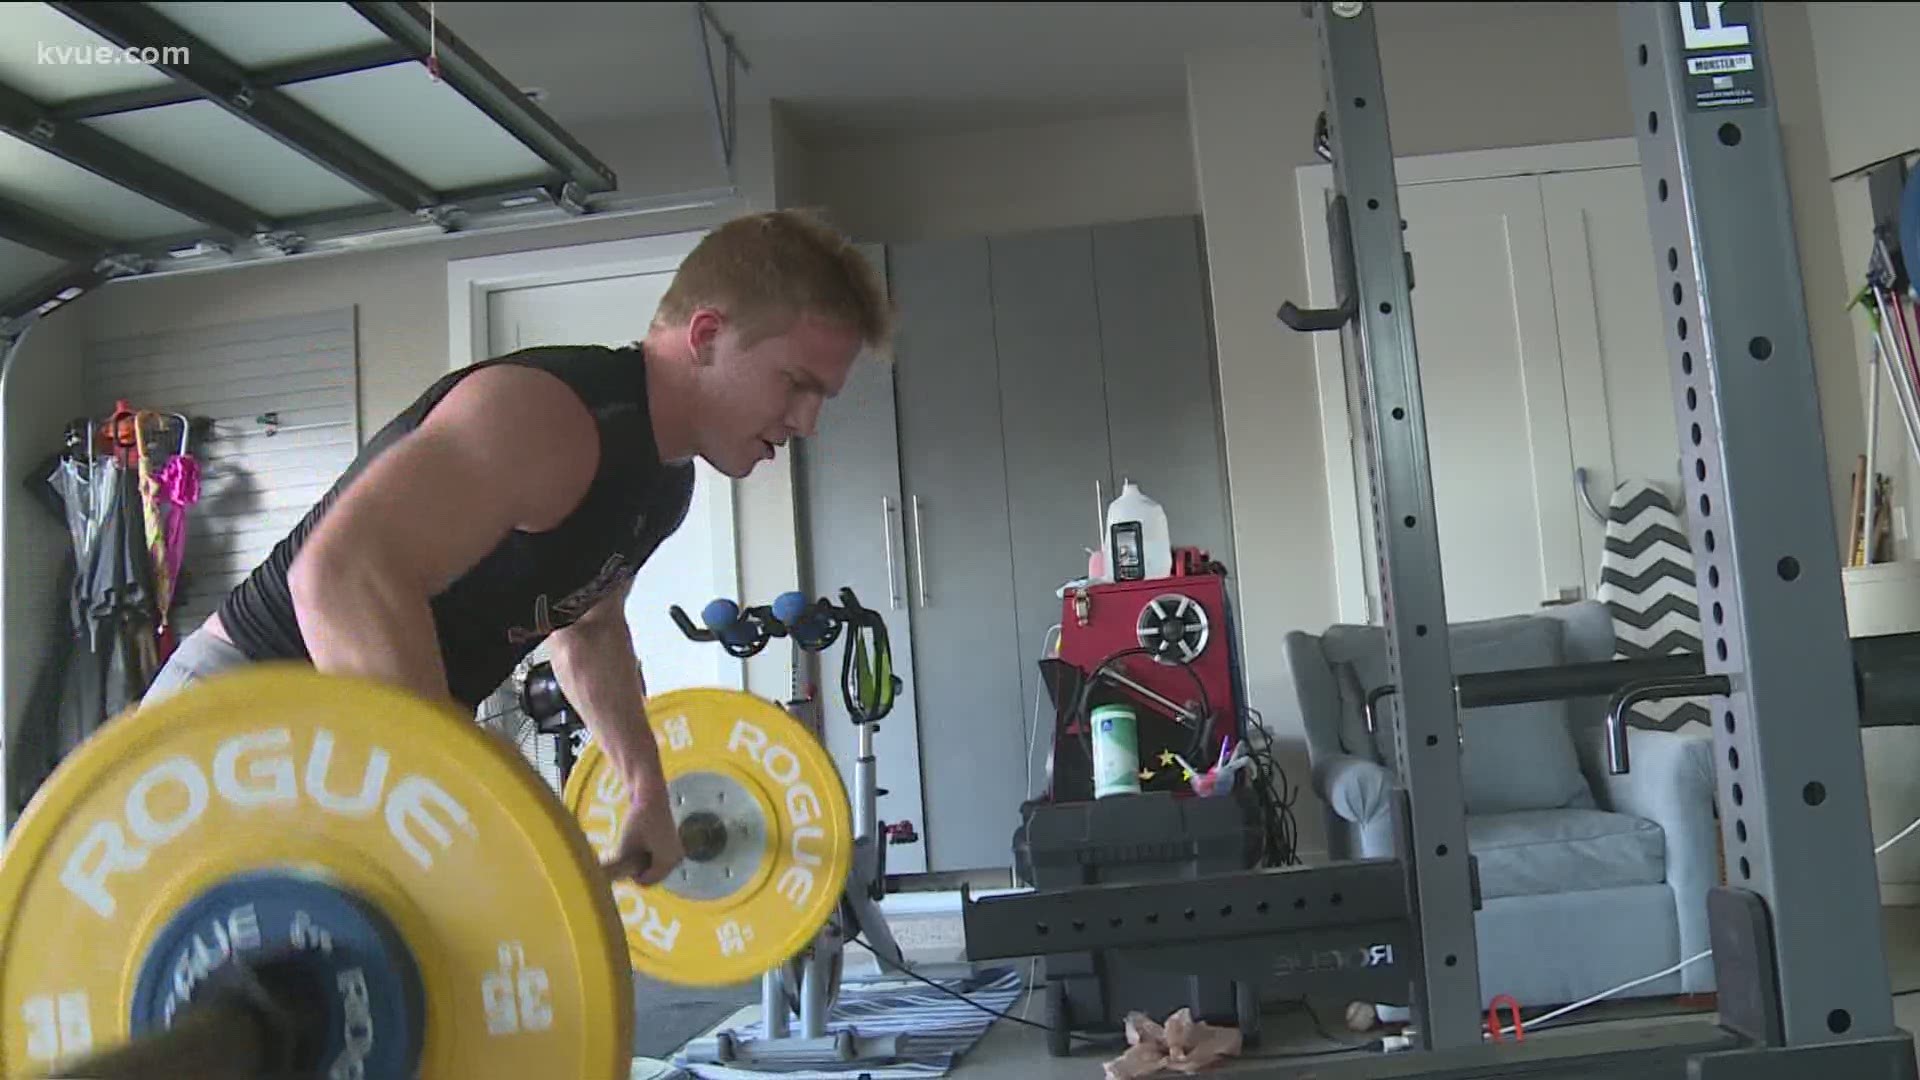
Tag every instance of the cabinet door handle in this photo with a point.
(920, 550)
(1586, 497)
(886, 532)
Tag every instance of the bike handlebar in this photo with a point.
(744, 632)
(866, 670)
(867, 676)
(741, 632)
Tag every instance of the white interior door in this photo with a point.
(1619, 389)
(1490, 376)
(1495, 405)
(695, 564)
(1537, 316)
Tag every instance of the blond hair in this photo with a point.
(767, 271)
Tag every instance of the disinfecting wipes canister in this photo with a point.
(1116, 752)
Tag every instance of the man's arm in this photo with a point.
(599, 673)
(508, 448)
(600, 676)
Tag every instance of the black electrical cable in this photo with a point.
(1196, 747)
(1669, 1014)
(1280, 830)
(1319, 1028)
(1109, 1040)
(1276, 795)
(951, 992)
(1343, 1046)
(858, 937)
(1372, 1045)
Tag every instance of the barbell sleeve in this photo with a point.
(254, 1021)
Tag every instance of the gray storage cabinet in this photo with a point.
(1162, 386)
(954, 472)
(1053, 415)
(850, 504)
(1029, 371)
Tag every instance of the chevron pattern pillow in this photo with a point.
(1647, 583)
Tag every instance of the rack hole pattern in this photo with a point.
(1702, 449)
(1224, 913)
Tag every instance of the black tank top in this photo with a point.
(531, 584)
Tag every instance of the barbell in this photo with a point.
(280, 870)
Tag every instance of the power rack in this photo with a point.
(1796, 933)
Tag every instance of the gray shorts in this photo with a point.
(199, 656)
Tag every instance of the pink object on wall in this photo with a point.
(180, 486)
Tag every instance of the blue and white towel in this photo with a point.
(1647, 583)
(939, 1027)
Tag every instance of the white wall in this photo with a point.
(766, 529)
(1520, 75)
(1865, 106)
(792, 161)
(1252, 121)
(1867, 86)
(1868, 80)
(39, 394)
(1119, 167)
(1825, 276)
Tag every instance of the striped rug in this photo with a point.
(939, 1026)
(1647, 583)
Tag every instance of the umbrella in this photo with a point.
(166, 496)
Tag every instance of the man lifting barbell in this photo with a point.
(514, 500)
(411, 899)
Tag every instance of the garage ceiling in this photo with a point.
(288, 129)
(136, 136)
(852, 71)
(855, 72)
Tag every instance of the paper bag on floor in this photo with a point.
(1180, 1046)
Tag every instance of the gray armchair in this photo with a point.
(1587, 880)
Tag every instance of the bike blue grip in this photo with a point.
(722, 617)
(808, 627)
(788, 607)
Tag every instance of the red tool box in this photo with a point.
(1170, 643)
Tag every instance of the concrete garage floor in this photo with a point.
(1015, 1052)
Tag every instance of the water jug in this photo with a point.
(1138, 545)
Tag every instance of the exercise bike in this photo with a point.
(805, 988)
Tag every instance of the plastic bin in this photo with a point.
(1131, 838)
